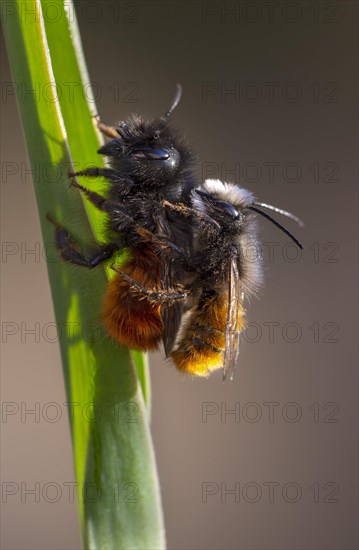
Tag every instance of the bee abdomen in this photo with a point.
(200, 350)
(132, 321)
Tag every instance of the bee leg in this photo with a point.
(69, 249)
(107, 131)
(160, 240)
(113, 208)
(155, 296)
(188, 211)
(96, 199)
(107, 173)
(180, 208)
(94, 172)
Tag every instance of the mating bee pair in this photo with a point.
(188, 273)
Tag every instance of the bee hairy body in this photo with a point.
(200, 351)
(132, 321)
(148, 162)
(223, 232)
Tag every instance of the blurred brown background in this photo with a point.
(269, 101)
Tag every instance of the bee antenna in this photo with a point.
(280, 211)
(175, 101)
(279, 225)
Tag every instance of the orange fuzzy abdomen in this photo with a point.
(128, 316)
(201, 348)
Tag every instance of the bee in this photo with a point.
(228, 273)
(149, 162)
(223, 219)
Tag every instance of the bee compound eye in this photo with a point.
(229, 209)
(150, 153)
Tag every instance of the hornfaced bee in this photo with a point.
(149, 162)
(223, 217)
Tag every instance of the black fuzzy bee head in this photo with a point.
(226, 215)
(226, 204)
(151, 153)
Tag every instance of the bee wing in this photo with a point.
(171, 313)
(233, 326)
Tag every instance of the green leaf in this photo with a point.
(74, 93)
(118, 491)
